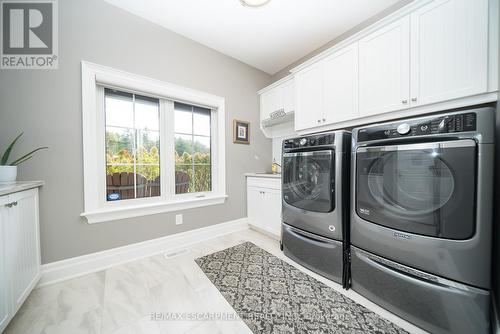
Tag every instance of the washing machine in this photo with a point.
(421, 218)
(315, 192)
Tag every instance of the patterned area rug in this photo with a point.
(272, 296)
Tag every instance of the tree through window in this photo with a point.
(132, 146)
(193, 171)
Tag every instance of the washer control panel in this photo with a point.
(403, 129)
(421, 127)
(310, 141)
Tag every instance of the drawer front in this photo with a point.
(435, 304)
(319, 254)
(262, 182)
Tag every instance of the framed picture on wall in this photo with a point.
(241, 132)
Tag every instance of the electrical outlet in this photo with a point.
(178, 219)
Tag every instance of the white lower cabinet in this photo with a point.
(4, 283)
(20, 251)
(264, 204)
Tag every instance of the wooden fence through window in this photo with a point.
(123, 184)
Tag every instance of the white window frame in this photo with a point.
(96, 208)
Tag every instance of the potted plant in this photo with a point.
(8, 170)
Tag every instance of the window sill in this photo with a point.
(108, 214)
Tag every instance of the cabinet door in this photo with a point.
(265, 105)
(254, 208)
(264, 209)
(449, 57)
(288, 96)
(340, 90)
(23, 244)
(270, 102)
(309, 97)
(384, 68)
(271, 209)
(5, 300)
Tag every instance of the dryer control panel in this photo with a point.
(421, 127)
(310, 141)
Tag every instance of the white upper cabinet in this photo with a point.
(288, 96)
(327, 92)
(340, 88)
(384, 68)
(269, 103)
(449, 50)
(429, 56)
(279, 98)
(309, 97)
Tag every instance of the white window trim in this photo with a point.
(96, 209)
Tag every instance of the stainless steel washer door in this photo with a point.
(426, 189)
(419, 184)
(308, 180)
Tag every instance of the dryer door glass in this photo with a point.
(308, 180)
(426, 189)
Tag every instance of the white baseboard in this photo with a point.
(269, 233)
(77, 266)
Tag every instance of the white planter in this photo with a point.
(8, 173)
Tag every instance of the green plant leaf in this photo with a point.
(21, 161)
(26, 156)
(5, 156)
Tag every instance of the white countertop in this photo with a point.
(267, 175)
(7, 188)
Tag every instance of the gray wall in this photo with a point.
(285, 71)
(46, 105)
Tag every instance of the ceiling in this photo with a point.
(268, 38)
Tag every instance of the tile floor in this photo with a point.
(122, 299)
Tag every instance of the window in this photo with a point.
(149, 146)
(192, 149)
(132, 145)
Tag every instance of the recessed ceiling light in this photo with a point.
(254, 3)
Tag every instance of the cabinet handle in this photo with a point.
(11, 204)
(414, 99)
(324, 120)
(319, 121)
(404, 101)
(14, 203)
